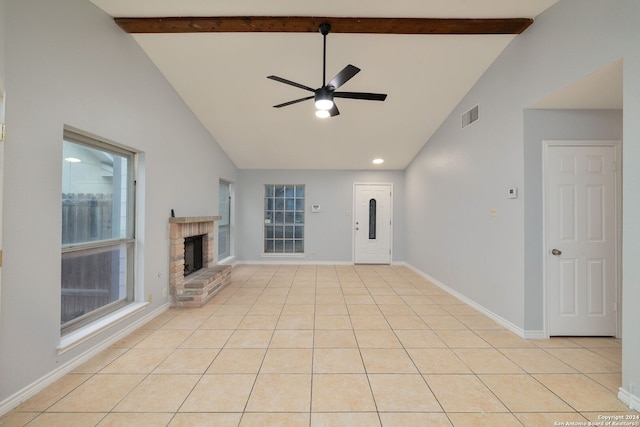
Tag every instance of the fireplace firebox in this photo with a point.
(193, 259)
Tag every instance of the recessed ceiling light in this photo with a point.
(72, 160)
(378, 161)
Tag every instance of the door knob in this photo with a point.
(556, 252)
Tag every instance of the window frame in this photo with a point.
(268, 220)
(126, 243)
(222, 227)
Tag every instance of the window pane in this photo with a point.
(288, 246)
(289, 218)
(269, 232)
(224, 238)
(224, 224)
(279, 204)
(92, 279)
(224, 200)
(288, 232)
(372, 219)
(279, 191)
(269, 190)
(289, 191)
(268, 246)
(94, 199)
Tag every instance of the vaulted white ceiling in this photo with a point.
(222, 77)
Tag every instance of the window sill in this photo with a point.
(76, 338)
(268, 255)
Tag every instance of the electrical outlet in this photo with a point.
(493, 212)
(150, 298)
(164, 292)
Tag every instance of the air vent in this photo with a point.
(470, 117)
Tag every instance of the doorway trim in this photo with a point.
(617, 144)
(353, 218)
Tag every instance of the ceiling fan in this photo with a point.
(324, 95)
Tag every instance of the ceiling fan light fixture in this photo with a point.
(323, 100)
(324, 104)
(322, 114)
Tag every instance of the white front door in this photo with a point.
(372, 223)
(582, 217)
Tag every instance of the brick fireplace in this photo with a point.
(199, 287)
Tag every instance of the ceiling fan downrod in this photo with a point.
(324, 30)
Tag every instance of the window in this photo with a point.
(372, 219)
(224, 224)
(283, 219)
(97, 229)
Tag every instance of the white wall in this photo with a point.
(67, 63)
(2, 43)
(631, 209)
(329, 233)
(461, 173)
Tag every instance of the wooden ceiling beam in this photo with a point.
(305, 24)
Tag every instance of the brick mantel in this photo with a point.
(192, 219)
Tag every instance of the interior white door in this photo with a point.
(372, 223)
(582, 223)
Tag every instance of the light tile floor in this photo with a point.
(332, 346)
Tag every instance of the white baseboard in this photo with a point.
(629, 399)
(40, 384)
(498, 319)
(273, 260)
(230, 260)
(535, 335)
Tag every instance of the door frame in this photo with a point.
(617, 144)
(353, 218)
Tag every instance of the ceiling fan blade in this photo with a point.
(289, 82)
(295, 101)
(343, 76)
(361, 95)
(334, 110)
